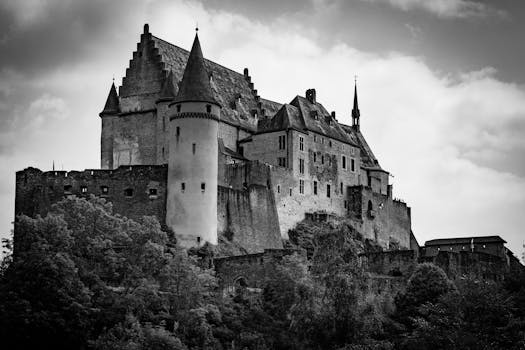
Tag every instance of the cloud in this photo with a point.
(445, 8)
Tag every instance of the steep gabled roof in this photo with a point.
(317, 119)
(231, 89)
(288, 117)
(112, 105)
(368, 159)
(195, 85)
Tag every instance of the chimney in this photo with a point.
(310, 95)
(389, 191)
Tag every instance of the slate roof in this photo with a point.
(195, 85)
(465, 240)
(228, 86)
(112, 105)
(368, 159)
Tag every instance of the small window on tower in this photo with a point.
(322, 159)
(198, 239)
(193, 147)
(328, 190)
(341, 190)
(352, 164)
(290, 191)
(104, 189)
(83, 189)
(128, 192)
(178, 108)
(208, 108)
(203, 187)
(178, 131)
(152, 191)
(183, 187)
(278, 188)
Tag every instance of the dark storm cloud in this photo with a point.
(58, 32)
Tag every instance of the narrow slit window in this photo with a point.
(315, 187)
(208, 108)
(178, 108)
(183, 186)
(328, 191)
(341, 190)
(177, 131)
(193, 148)
(203, 187)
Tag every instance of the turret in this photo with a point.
(193, 156)
(108, 115)
(355, 110)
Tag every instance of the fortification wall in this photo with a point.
(379, 217)
(37, 191)
(251, 269)
(395, 263)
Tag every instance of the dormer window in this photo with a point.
(314, 115)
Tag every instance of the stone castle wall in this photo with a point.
(379, 217)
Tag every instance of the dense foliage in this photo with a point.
(84, 278)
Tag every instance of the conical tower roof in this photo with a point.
(195, 85)
(167, 92)
(112, 103)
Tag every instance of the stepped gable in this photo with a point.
(368, 159)
(232, 90)
(317, 119)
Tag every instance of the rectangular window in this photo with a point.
(203, 187)
(83, 189)
(282, 161)
(315, 187)
(352, 164)
(341, 190)
(178, 131)
(315, 138)
(301, 186)
(343, 160)
(301, 166)
(315, 157)
(290, 191)
(301, 143)
(346, 204)
(322, 159)
(152, 191)
(193, 147)
(182, 187)
(278, 188)
(330, 143)
(328, 190)
(282, 142)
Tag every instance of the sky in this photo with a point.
(441, 88)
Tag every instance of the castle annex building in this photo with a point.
(193, 143)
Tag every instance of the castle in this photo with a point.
(192, 142)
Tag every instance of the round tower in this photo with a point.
(193, 156)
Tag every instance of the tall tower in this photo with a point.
(355, 110)
(193, 156)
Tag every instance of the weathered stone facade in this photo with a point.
(224, 160)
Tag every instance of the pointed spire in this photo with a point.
(355, 110)
(167, 91)
(195, 85)
(112, 103)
